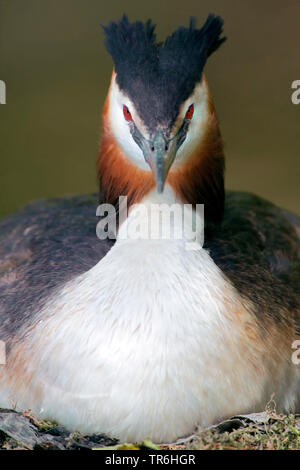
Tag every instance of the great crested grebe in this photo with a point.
(142, 337)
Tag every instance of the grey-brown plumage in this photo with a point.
(43, 246)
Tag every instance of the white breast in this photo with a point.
(148, 343)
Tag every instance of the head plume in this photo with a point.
(158, 77)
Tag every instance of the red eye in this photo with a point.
(127, 113)
(190, 112)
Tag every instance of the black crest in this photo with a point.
(158, 77)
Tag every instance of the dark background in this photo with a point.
(57, 72)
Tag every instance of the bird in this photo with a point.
(142, 337)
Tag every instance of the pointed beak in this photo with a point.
(160, 158)
(159, 152)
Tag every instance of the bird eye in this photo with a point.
(190, 112)
(127, 113)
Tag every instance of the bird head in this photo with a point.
(158, 101)
(158, 109)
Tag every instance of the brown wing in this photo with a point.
(258, 249)
(42, 247)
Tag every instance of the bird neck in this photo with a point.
(199, 180)
(161, 217)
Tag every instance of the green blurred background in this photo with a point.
(57, 72)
